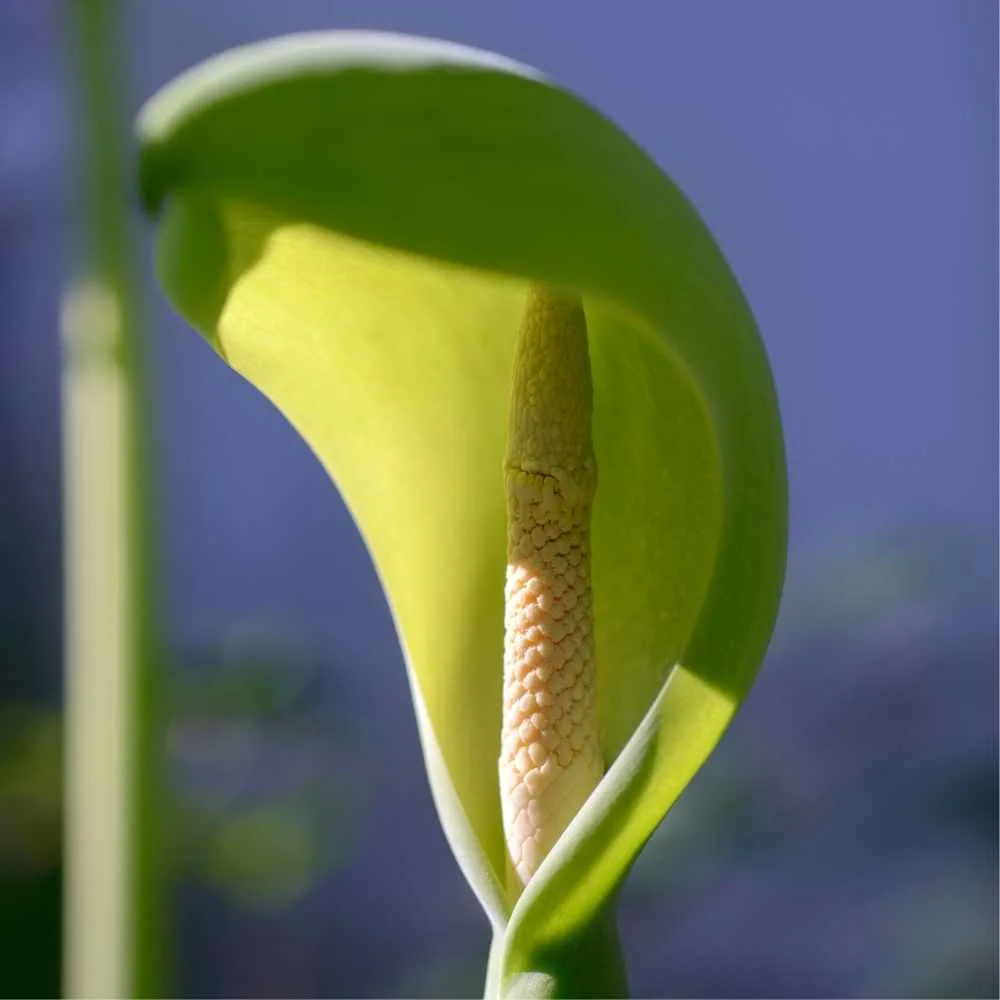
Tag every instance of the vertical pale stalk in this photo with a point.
(98, 643)
(113, 917)
(550, 759)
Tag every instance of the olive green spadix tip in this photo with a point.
(550, 758)
(550, 406)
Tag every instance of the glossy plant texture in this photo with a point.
(354, 222)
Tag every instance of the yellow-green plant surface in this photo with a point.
(354, 220)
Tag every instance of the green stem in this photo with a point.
(588, 963)
(114, 910)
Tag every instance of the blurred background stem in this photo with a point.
(115, 923)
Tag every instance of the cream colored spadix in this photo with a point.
(550, 758)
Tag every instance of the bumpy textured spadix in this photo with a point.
(550, 759)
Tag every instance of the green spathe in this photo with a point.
(353, 220)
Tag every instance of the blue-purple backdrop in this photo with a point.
(843, 840)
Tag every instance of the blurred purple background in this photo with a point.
(843, 841)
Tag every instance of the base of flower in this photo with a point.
(588, 963)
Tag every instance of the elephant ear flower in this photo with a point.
(368, 228)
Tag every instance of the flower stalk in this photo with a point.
(114, 913)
